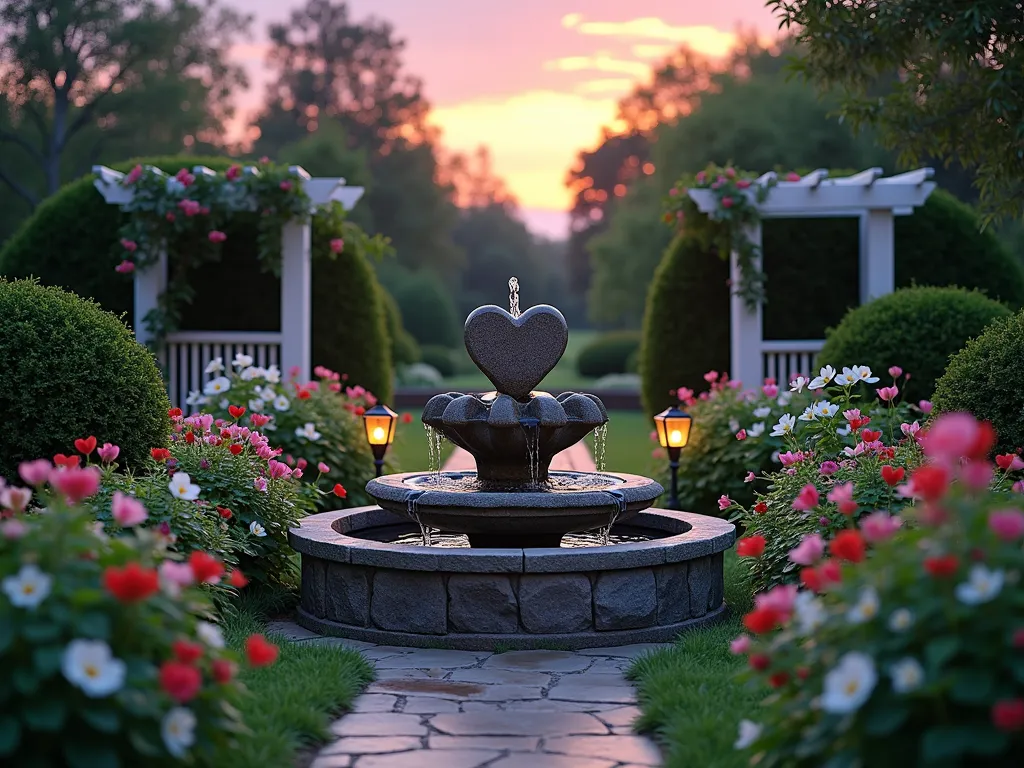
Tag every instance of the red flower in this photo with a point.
(303, 394)
(259, 651)
(759, 661)
(930, 482)
(186, 652)
(160, 454)
(1008, 714)
(727, 202)
(1018, 638)
(407, 418)
(205, 569)
(751, 546)
(761, 507)
(223, 671)
(131, 584)
(761, 620)
(180, 681)
(848, 545)
(174, 413)
(235, 448)
(237, 579)
(224, 512)
(190, 437)
(893, 475)
(359, 410)
(983, 442)
(236, 411)
(869, 436)
(811, 578)
(941, 566)
(830, 572)
(85, 445)
(66, 461)
(216, 236)
(778, 680)
(258, 419)
(339, 491)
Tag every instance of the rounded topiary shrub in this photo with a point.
(678, 344)
(71, 241)
(915, 328)
(983, 379)
(428, 309)
(608, 353)
(71, 370)
(404, 349)
(440, 358)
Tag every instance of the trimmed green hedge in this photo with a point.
(404, 349)
(983, 379)
(917, 329)
(71, 241)
(608, 353)
(812, 269)
(441, 358)
(71, 370)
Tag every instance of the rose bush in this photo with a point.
(907, 645)
(109, 652)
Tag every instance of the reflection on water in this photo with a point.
(414, 538)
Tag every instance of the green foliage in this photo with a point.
(608, 353)
(440, 358)
(917, 329)
(427, 308)
(938, 79)
(114, 717)
(71, 370)
(981, 379)
(404, 349)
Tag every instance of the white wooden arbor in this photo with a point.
(868, 196)
(185, 354)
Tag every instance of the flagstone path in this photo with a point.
(476, 709)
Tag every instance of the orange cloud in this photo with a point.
(702, 38)
(601, 62)
(617, 86)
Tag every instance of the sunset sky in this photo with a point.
(533, 79)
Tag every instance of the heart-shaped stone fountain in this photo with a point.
(516, 353)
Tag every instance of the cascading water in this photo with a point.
(618, 508)
(410, 504)
(600, 443)
(434, 440)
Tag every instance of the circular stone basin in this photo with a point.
(535, 516)
(362, 579)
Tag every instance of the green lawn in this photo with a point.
(628, 447)
(410, 449)
(688, 696)
(290, 705)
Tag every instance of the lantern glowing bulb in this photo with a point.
(675, 437)
(379, 433)
(673, 427)
(379, 422)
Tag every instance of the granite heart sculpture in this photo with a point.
(516, 353)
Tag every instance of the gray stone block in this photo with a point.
(482, 604)
(409, 602)
(625, 599)
(550, 603)
(701, 580)
(348, 594)
(717, 580)
(314, 578)
(673, 593)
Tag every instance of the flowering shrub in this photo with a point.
(109, 653)
(907, 647)
(317, 425)
(842, 458)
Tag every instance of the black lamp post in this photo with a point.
(379, 422)
(673, 427)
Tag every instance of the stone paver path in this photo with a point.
(476, 709)
(576, 457)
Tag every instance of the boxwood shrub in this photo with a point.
(608, 353)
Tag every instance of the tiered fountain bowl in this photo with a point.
(513, 553)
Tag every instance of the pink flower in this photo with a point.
(127, 510)
(35, 472)
(895, 371)
(791, 176)
(727, 202)
(724, 502)
(828, 468)
(743, 183)
(185, 177)
(910, 430)
(879, 526)
(323, 468)
(264, 160)
(701, 177)
(741, 435)
(129, 245)
(1007, 524)
(260, 484)
(14, 528)
(259, 420)
(15, 499)
(685, 394)
(809, 550)
(925, 406)
(337, 245)
(286, 186)
(976, 474)
(133, 175)
(842, 496)
(888, 393)
(711, 377)
(1018, 486)
(951, 437)
(108, 452)
(294, 372)
(740, 645)
(189, 207)
(807, 499)
(176, 574)
(76, 484)
(789, 458)
(216, 236)
(278, 469)
(233, 172)
(125, 267)
(770, 390)
(297, 474)
(779, 599)
(750, 477)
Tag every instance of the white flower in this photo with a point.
(272, 374)
(756, 430)
(281, 403)
(256, 529)
(866, 607)
(760, 413)
(900, 620)
(825, 375)
(215, 366)
(308, 431)
(809, 611)
(784, 398)
(846, 378)
(195, 397)
(256, 405)
(809, 414)
(863, 373)
(91, 666)
(250, 373)
(217, 386)
(785, 426)
(849, 684)
(981, 586)
(182, 487)
(242, 361)
(907, 675)
(798, 384)
(224, 403)
(28, 587)
(844, 431)
(174, 186)
(825, 409)
(178, 729)
(210, 634)
(734, 426)
(749, 733)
